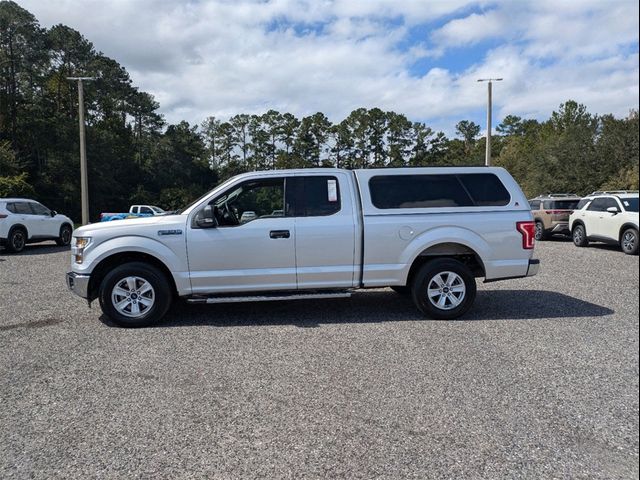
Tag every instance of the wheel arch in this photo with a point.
(453, 250)
(624, 227)
(18, 226)
(112, 261)
(576, 223)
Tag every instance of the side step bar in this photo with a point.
(270, 297)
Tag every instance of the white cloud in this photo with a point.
(225, 57)
(471, 29)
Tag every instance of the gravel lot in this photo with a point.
(539, 380)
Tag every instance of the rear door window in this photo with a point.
(22, 208)
(318, 196)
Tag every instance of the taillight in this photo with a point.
(528, 231)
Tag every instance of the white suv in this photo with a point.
(609, 217)
(25, 221)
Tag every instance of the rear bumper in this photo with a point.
(534, 267)
(78, 284)
(562, 227)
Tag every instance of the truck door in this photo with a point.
(252, 248)
(325, 231)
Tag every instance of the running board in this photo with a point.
(269, 297)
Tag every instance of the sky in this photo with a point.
(421, 58)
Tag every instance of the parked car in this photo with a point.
(551, 213)
(135, 211)
(431, 231)
(25, 221)
(247, 216)
(608, 216)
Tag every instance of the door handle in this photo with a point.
(279, 234)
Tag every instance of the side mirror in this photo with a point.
(53, 213)
(614, 210)
(205, 218)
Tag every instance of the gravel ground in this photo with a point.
(539, 380)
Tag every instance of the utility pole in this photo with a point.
(487, 156)
(84, 184)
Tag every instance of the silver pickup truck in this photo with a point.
(314, 233)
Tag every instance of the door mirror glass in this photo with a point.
(53, 213)
(205, 218)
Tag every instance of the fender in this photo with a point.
(175, 261)
(448, 234)
(19, 225)
(626, 226)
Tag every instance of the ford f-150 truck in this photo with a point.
(314, 233)
(135, 211)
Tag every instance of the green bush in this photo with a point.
(16, 186)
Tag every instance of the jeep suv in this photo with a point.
(551, 213)
(609, 217)
(25, 221)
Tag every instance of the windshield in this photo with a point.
(199, 199)
(630, 204)
(157, 209)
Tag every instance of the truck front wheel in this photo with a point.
(444, 289)
(135, 294)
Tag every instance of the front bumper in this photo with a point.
(78, 284)
(534, 267)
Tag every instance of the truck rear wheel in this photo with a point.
(135, 294)
(444, 289)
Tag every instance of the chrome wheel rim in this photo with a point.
(629, 241)
(577, 235)
(446, 290)
(133, 296)
(538, 231)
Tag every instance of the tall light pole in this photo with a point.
(84, 184)
(487, 156)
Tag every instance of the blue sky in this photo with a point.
(417, 57)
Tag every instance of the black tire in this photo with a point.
(160, 296)
(629, 241)
(579, 235)
(401, 289)
(540, 233)
(16, 240)
(65, 236)
(427, 277)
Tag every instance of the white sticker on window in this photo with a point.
(626, 204)
(332, 190)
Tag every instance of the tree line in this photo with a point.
(134, 156)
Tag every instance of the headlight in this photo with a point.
(78, 245)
